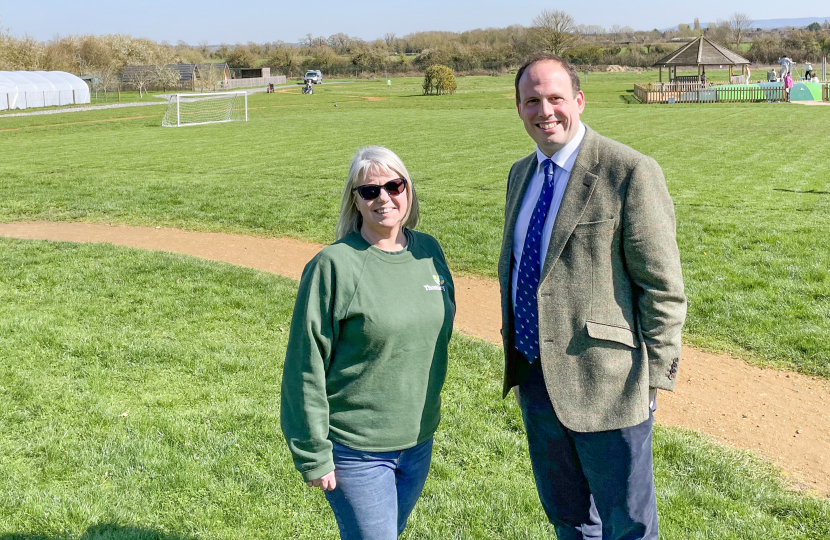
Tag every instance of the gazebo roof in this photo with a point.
(701, 52)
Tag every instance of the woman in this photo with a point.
(788, 84)
(367, 354)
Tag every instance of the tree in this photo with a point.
(286, 58)
(554, 30)
(208, 77)
(439, 80)
(323, 56)
(340, 42)
(104, 79)
(241, 57)
(141, 78)
(718, 32)
(166, 77)
(739, 24)
(814, 27)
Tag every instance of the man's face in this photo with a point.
(548, 107)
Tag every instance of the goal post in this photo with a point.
(197, 109)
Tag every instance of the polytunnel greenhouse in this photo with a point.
(27, 89)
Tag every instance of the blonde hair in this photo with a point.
(372, 159)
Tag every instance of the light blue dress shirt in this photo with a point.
(564, 160)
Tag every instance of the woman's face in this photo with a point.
(382, 216)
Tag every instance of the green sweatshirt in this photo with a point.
(367, 350)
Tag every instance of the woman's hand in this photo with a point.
(326, 483)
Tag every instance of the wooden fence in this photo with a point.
(825, 92)
(685, 92)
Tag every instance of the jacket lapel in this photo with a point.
(580, 186)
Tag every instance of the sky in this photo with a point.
(240, 21)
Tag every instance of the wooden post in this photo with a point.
(661, 74)
(73, 97)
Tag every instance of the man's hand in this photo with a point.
(326, 483)
(652, 395)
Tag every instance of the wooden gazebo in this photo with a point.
(701, 53)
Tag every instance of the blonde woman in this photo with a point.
(367, 354)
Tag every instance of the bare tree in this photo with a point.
(615, 31)
(208, 77)
(739, 24)
(554, 30)
(340, 42)
(719, 31)
(389, 38)
(104, 79)
(141, 77)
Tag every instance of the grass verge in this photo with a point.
(139, 399)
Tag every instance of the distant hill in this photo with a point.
(795, 23)
(774, 23)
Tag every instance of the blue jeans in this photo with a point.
(376, 491)
(591, 485)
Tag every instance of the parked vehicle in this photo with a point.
(313, 75)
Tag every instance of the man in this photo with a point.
(592, 307)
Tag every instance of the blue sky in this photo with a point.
(239, 21)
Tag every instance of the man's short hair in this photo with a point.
(542, 57)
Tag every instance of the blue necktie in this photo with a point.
(526, 316)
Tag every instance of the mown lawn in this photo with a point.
(748, 182)
(139, 400)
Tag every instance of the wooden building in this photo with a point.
(701, 53)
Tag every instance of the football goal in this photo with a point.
(195, 109)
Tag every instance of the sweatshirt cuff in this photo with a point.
(318, 472)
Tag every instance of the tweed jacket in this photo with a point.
(611, 300)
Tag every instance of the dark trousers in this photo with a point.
(592, 485)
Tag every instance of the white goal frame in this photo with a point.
(177, 100)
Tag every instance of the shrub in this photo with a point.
(439, 80)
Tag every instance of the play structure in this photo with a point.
(696, 89)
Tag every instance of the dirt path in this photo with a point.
(780, 415)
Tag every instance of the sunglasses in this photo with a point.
(372, 192)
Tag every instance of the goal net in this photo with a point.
(195, 109)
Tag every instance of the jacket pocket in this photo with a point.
(616, 334)
(605, 226)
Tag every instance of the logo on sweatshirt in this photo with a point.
(439, 284)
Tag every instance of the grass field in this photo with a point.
(748, 182)
(139, 391)
(139, 400)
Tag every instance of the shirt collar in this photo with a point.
(564, 158)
